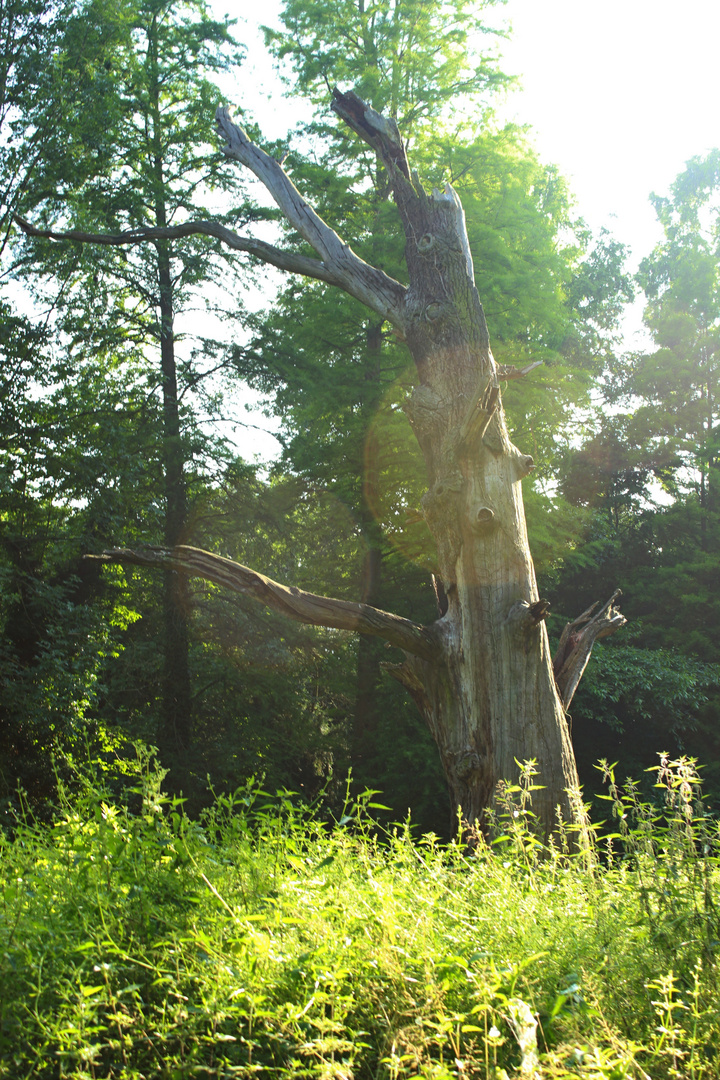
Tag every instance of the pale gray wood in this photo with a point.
(576, 644)
(297, 604)
(372, 287)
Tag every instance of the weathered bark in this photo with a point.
(371, 286)
(482, 675)
(576, 644)
(489, 696)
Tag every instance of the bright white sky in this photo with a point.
(619, 94)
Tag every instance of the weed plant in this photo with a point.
(264, 941)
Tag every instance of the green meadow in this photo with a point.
(267, 939)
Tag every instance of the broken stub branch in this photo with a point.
(576, 645)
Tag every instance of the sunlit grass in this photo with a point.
(265, 940)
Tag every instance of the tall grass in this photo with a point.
(264, 940)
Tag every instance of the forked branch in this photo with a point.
(304, 607)
(366, 283)
(382, 134)
(338, 264)
(576, 644)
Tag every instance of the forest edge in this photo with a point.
(481, 675)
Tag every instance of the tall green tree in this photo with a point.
(678, 381)
(30, 33)
(647, 478)
(671, 424)
(52, 648)
(410, 59)
(69, 478)
(135, 152)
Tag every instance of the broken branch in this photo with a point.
(509, 371)
(576, 644)
(304, 607)
(378, 131)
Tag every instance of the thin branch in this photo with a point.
(256, 427)
(304, 607)
(284, 260)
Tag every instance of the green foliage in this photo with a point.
(411, 60)
(135, 148)
(30, 34)
(69, 478)
(110, 431)
(657, 682)
(276, 695)
(131, 77)
(54, 657)
(632, 699)
(71, 481)
(656, 685)
(673, 387)
(268, 939)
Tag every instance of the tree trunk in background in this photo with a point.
(175, 735)
(366, 713)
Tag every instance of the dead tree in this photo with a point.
(481, 674)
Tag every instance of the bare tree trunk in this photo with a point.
(489, 696)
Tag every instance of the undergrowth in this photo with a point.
(264, 941)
